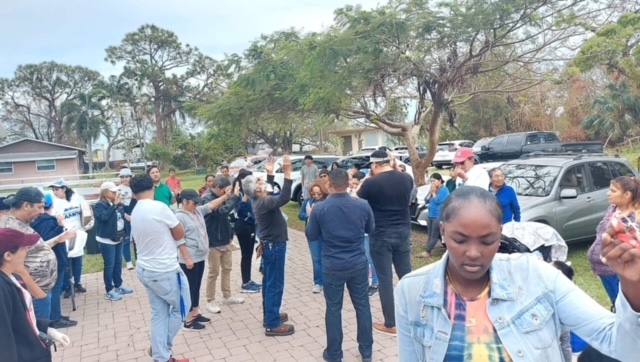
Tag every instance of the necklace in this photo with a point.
(471, 318)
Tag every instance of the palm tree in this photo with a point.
(84, 116)
(615, 113)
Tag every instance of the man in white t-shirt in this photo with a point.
(157, 231)
(469, 174)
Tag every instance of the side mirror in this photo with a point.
(484, 148)
(568, 194)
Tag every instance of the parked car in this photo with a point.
(446, 151)
(140, 164)
(477, 147)
(243, 162)
(297, 162)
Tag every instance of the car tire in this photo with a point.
(438, 166)
(297, 195)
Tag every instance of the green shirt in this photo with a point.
(163, 194)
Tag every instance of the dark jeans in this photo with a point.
(126, 244)
(42, 307)
(76, 271)
(611, 285)
(315, 248)
(387, 250)
(357, 282)
(56, 293)
(246, 233)
(112, 273)
(433, 227)
(273, 282)
(194, 276)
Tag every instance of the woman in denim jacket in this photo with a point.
(475, 305)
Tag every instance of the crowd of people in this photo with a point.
(472, 304)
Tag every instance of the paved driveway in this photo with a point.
(119, 331)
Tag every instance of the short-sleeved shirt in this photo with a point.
(151, 224)
(310, 174)
(40, 262)
(126, 194)
(389, 195)
(473, 336)
(163, 194)
(173, 183)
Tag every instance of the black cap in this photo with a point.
(28, 194)
(191, 194)
(324, 171)
(379, 156)
(4, 206)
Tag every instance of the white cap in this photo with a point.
(108, 185)
(125, 172)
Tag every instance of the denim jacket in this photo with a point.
(530, 302)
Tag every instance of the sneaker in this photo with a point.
(233, 300)
(317, 288)
(327, 358)
(202, 319)
(123, 290)
(380, 327)
(249, 288)
(79, 288)
(66, 317)
(171, 359)
(67, 294)
(193, 326)
(64, 323)
(373, 290)
(255, 284)
(284, 317)
(129, 265)
(282, 330)
(212, 307)
(112, 295)
(367, 359)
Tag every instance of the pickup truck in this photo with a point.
(140, 164)
(514, 145)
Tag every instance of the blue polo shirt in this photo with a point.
(341, 221)
(508, 200)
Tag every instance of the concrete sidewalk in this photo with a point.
(119, 331)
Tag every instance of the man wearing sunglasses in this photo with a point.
(467, 172)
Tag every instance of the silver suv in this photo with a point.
(568, 192)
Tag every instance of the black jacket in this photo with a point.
(18, 340)
(218, 225)
(48, 228)
(106, 216)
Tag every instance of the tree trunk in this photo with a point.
(90, 149)
(420, 165)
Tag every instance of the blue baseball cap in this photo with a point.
(48, 201)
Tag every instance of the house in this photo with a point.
(352, 139)
(29, 161)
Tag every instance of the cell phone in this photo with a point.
(625, 230)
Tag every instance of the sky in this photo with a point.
(77, 32)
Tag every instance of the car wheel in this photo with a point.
(297, 195)
(438, 166)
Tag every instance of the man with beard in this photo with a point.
(161, 192)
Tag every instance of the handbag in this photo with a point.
(86, 215)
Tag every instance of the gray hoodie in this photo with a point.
(195, 236)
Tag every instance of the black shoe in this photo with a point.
(67, 294)
(202, 319)
(63, 323)
(193, 326)
(66, 318)
(367, 359)
(79, 288)
(373, 290)
(326, 357)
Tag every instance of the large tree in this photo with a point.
(167, 71)
(31, 100)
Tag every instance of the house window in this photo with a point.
(370, 138)
(46, 165)
(6, 167)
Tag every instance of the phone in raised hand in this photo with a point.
(625, 230)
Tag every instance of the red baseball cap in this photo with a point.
(12, 239)
(462, 154)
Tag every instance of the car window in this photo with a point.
(347, 163)
(497, 142)
(600, 175)
(550, 137)
(296, 165)
(238, 163)
(445, 146)
(620, 169)
(513, 141)
(533, 139)
(574, 178)
(482, 142)
(531, 180)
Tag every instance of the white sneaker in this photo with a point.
(129, 265)
(233, 300)
(212, 307)
(317, 288)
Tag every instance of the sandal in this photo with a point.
(423, 255)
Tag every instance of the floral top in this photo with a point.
(595, 251)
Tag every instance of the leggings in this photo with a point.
(246, 233)
(194, 276)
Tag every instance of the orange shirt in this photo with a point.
(173, 183)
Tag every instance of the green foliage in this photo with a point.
(160, 152)
(615, 114)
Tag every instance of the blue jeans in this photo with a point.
(112, 272)
(169, 299)
(315, 247)
(273, 282)
(126, 244)
(387, 250)
(357, 281)
(56, 293)
(42, 307)
(367, 250)
(76, 270)
(611, 285)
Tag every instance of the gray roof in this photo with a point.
(37, 156)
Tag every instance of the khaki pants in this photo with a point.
(219, 260)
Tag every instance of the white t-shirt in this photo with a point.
(126, 194)
(72, 210)
(151, 224)
(477, 176)
(28, 300)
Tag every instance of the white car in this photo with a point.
(297, 162)
(447, 150)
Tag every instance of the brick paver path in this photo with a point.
(119, 331)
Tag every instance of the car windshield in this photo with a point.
(445, 146)
(531, 180)
(238, 163)
(482, 142)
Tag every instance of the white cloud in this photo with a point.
(78, 31)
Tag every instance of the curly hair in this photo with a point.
(323, 188)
